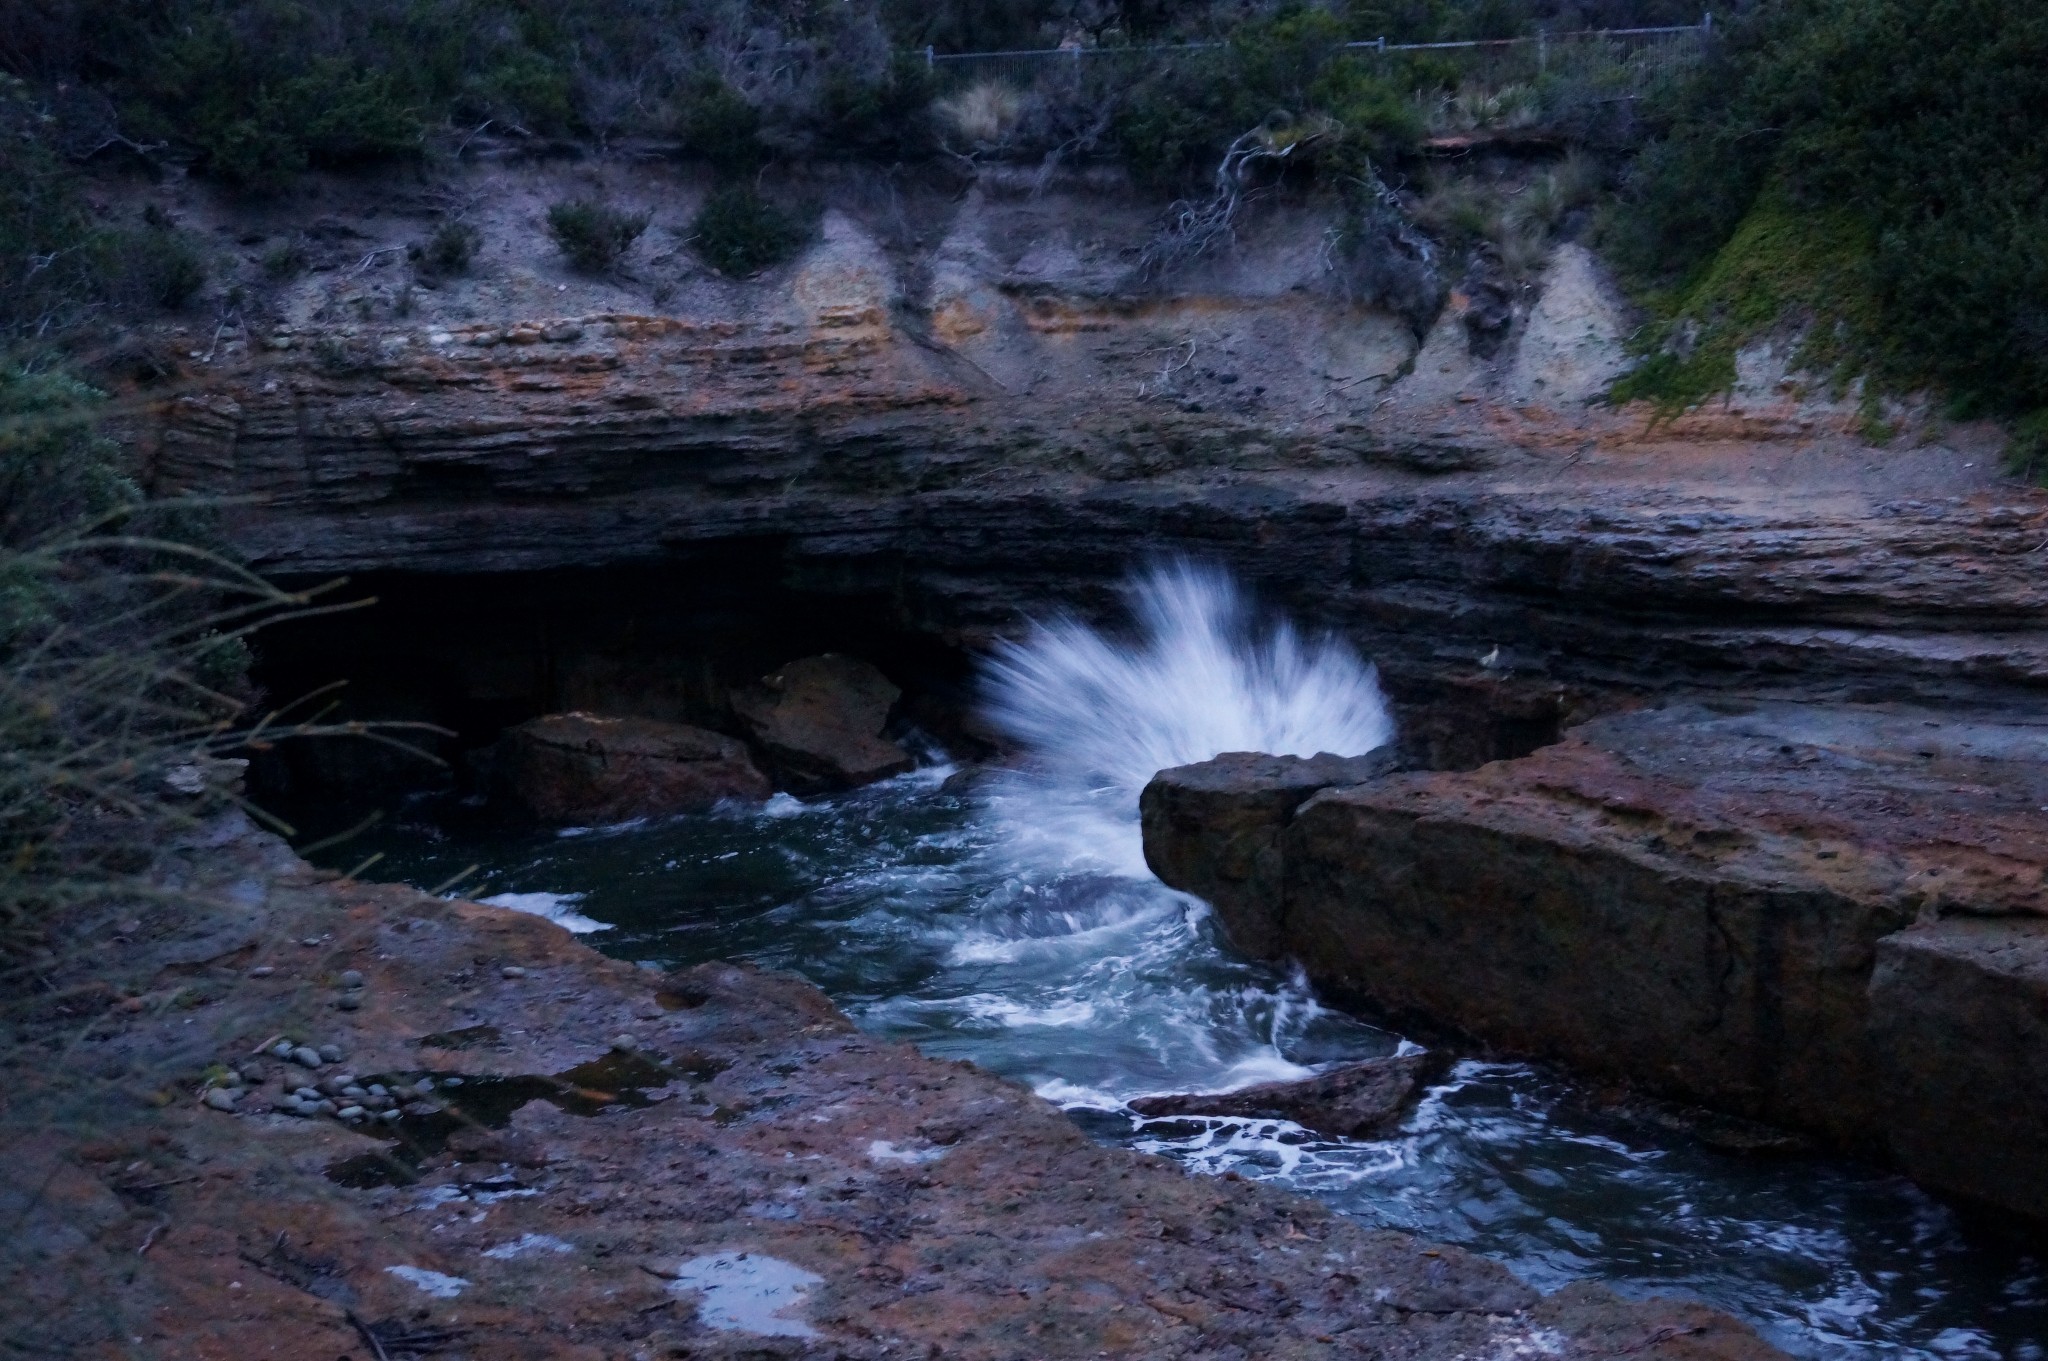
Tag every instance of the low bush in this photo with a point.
(594, 235)
(2026, 454)
(157, 266)
(717, 124)
(287, 259)
(449, 251)
(738, 232)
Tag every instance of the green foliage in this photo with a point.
(737, 232)
(884, 116)
(55, 471)
(594, 235)
(1925, 122)
(1783, 264)
(287, 259)
(449, 251)
(1289, 71)
(2026, 453)
(156, 266)
(59, 262)
(716, 123)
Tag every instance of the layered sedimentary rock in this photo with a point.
(1824, 916)
(991, 417)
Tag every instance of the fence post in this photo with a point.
(1707, 22)
(1543, 49)
(1383, 44)
(929, 60)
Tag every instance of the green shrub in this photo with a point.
(154, 267)
(449, 251)
(2026, 453)
(737, 232)
(594, 235)
(875, 117)
(1925, 122)
(715, 123)
(1287, 71)
(287, 259)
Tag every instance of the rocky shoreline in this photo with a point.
(608, 1162)
(1825, 917)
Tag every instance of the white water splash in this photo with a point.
(558, 908)
(1100, 715)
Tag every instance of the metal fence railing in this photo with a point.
(1631, 55)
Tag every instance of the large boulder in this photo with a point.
(819, 721)
(580, 767)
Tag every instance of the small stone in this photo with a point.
(325, 1107)
(307, 1093)
(387, 1115)
(350, 1113)
(310, 941)
(352, 978)
(220, 1098)
(353, 1092)
(307, 1058)
(261, 971)
(332, 1053)
(348, 1001)
(423, 1086)
(512, 971)
(282, 1050)
(625, 1044)
(379, 1089)
(451, 1082)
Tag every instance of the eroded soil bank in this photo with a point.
(614, 1162)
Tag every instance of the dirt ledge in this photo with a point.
(939, 1211)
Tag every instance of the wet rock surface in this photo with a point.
(1696, 899)
(820, 721)
(1348, 1101)
(580, 767)
(709, 1163)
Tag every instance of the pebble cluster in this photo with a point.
(337, 1095)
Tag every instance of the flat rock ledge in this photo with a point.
(707, 1163)
(1829, 918)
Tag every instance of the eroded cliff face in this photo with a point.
(959, 406)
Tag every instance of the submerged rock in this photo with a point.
(1344, 1102)
(580, 767)
(820, 722)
